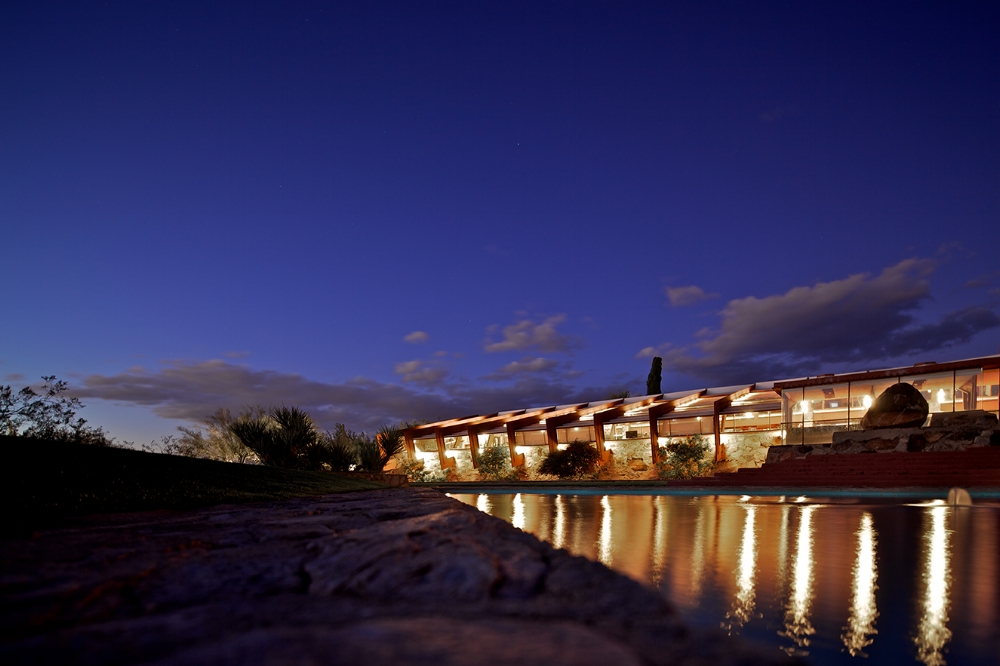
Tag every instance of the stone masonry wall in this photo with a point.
(947, 432)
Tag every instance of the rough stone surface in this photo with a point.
(952, 432)
(976, 419)
(386, 577)
(899, 406)
(746, 450)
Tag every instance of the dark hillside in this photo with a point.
(42, 482)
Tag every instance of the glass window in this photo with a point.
(456, 443)
(936, 388)
(751, 421)
(864, 394)
(426, 445)
(570, 435)
(989, 390)
(692, 425)
(626, 431)
(492, 439)
(966, 390)
(530, 438)
(825, 405)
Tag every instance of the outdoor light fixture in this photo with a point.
(867, 401)
(804, 406)
(940, 395)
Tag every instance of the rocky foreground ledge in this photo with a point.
(381, 577)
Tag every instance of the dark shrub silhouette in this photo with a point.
(578, 459)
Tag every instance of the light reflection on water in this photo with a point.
(838, 579)
(797, 625)
(933, 633)
(861, 622)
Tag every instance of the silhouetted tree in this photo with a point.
(655, 376)
(47, 415)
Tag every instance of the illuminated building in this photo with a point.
(807, 410)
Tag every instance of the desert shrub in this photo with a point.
(413, 469)
(494, 464)
(48, 415)
(213, 440)
(578, 459)
(684, 458)
(375, 452)
(369, 455)
(341, 454)
(284, 437)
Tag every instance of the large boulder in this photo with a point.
(899, 406)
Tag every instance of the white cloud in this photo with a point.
(526, 365)
(416, 337)
(421, 372)
(689, 295)
(527, 334)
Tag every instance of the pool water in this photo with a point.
(837, 579)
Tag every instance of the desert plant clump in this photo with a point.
(341, 452)
(413, 469)
(213, 440)
(684, 458)
(287, 437)
(48, 415)
(574, 462)
(494, 465)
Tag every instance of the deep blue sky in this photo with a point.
(253, 203)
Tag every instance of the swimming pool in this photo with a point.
(837, 578)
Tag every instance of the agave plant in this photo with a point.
(285, 437)
(390, 443)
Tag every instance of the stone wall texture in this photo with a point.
(375, 578)
(947, 432)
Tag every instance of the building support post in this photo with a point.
(516, 459)
(606, 455)
(446, 461)
(411, 448)
(474, 446)
(551, 437)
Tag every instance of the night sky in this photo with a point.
(386, 211)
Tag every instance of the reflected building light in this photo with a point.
(933, 633)
(745, 572)
(483, 503)
(518, 520)
(698, 552)
(804, 406)
(783, 548)
(604, 554)
(659, 540)
(861, 622)
(940, 396)
(866, 401)
(559, 532)
(797, 624)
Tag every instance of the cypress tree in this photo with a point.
(653, 380)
